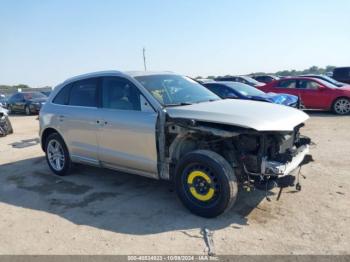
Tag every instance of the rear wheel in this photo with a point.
(341, 106)
(206, 183)
(57, 155)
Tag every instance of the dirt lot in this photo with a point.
(97, 211)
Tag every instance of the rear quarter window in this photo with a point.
(62, 97)
(84, 93)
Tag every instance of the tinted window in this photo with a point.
(287, 84)
(63, 96)
(84, 93)
(120, 93)
(308, 84)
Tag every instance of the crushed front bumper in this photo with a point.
(273, 168)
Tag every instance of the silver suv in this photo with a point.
(166, 126)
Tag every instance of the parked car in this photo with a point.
(327, 79)
(3, 101)
(235, 90)
(342, 74)
(167, 126)
(265, 78)
(5, 123)
(314, 93)
(26, 102)
(242, 79)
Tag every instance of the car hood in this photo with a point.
(243, 113)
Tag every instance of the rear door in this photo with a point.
(20, 102)
(76, 117)
(127, 131)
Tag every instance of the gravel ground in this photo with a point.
(97, 211)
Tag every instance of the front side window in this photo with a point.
(174, 90)
(307, 84)
(120, 93)
(287, 84)
(84, 93)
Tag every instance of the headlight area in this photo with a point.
(272, 154)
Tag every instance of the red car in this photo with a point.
(314, 93)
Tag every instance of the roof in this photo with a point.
(146, 73)
(115, 72)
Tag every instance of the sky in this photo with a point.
(44, 42)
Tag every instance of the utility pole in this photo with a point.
(144, 58)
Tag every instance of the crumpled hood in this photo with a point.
(244, 113)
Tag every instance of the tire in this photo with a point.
(205, 183)
(27, 110)
(10, 110)
(64, 166)
(341, 106)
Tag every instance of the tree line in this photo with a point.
(311, 70)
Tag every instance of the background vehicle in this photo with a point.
(327, 79)
(166, 126)
(265, 78)
(26, 102)
(242, 79)
(5, 124)
(47, 93)
(3, 101)
(237, 90)
(342, 74)
(314, 93)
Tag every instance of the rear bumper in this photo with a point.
(277, 169)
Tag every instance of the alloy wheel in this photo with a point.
(342, 106)
(55, 155)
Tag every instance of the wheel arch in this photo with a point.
(46, 133)
(336, 98)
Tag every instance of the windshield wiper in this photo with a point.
(179, 104)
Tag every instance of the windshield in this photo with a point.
(172, 90)
(250, 80)
(325, 83)
(333, 81)
(244, 89)
(34, 95)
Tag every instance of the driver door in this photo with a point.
(127, 129)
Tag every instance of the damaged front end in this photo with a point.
(5, 124)
(256, 156)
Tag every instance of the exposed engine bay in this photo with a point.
(254, 155)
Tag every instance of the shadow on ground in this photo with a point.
(113, 201)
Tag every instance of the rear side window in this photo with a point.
(84, 93)
(62, 97)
